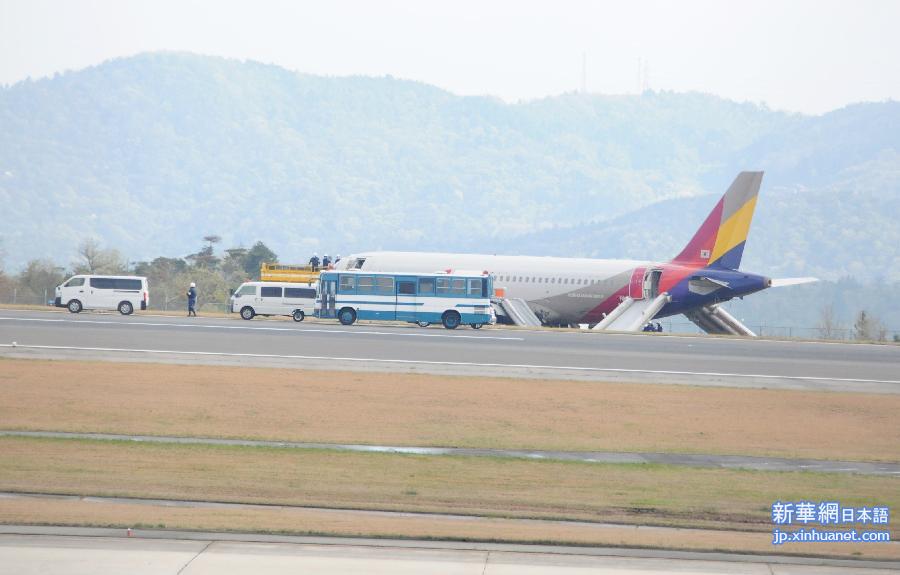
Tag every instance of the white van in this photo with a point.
(124, 293)
(274, 298)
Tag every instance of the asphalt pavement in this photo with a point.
(72, 551)
(557, 354)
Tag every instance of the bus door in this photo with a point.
(328, 289)
(407, 303)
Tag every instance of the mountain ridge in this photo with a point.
(149, 153)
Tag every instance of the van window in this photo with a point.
(247, 290)
(75, 282)
(119, 283)
(102, 283)
(300, 293)
(268, 291)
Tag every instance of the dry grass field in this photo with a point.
(654, 494)
(348, 523)
(404, 409)
(502, 499)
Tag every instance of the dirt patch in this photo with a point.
(432, 410)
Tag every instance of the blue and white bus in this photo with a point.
(450, 298)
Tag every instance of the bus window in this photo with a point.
(406, 288)
(384, 285)
(426, 286)
(348, 284)
(366, 284)
(475, 287)
(458, 286)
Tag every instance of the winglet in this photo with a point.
(720, 240)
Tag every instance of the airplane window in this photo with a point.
(532, 279)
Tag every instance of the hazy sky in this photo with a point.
(809, 56)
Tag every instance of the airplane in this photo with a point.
(621, 295)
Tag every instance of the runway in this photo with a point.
(497, 352)
(73, 551)
(691, 460)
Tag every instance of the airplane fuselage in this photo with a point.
(576, 290)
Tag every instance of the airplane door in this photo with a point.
(651, 283)
(407, 302)
(636, 285)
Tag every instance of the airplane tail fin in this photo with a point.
(720, 240)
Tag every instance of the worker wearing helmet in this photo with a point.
(192, 300)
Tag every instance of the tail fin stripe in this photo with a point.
(734, 230)
(720, 240)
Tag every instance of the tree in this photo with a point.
(233, 264)
(206, 257)
(868, 328)
(829, 327)
(89, 251)
(258, 254)
(98, 261)
(40, 278)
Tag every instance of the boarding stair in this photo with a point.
(714, 319)
(516, 310)
(633, 314)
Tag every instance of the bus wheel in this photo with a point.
(347, 316)
(125, 308)
(247, 312)
(74, 306)
(423, 323)
(298, 315)
(451, 319)
(476, 325)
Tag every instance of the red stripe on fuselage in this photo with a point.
(686, 263)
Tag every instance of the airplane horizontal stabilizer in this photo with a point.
(782, 282)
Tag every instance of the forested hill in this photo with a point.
(150, 153)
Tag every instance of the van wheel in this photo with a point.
(423, 323)
(347, 316)
(247, 312)
(74, 306)
(125, 308)
(298, 315)
(476, 325)
(451, 319)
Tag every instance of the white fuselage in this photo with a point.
(564, 288)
